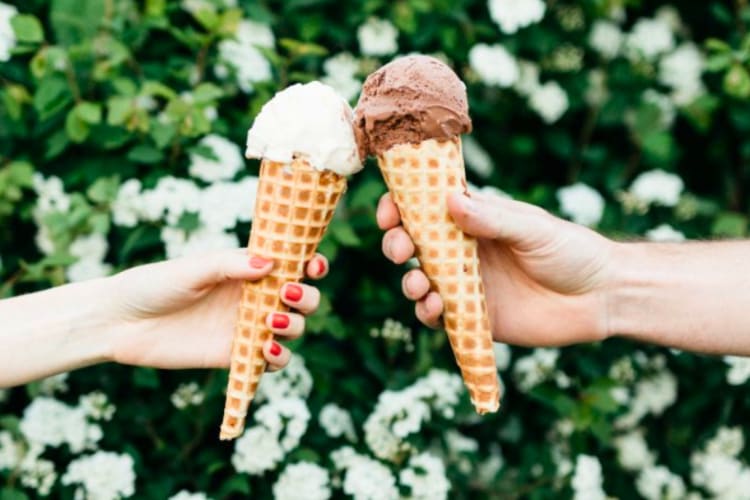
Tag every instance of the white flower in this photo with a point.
(38, 474)
(302, 481)
(681, 70)
(340, 71)
(665, 232)
(550, 101)
(171, 198)
(337, 422)
(494, 64)
(425, 477)
(582, 203)
(126, 207)
(178, 243)
(223, 203)
(458, 443)
(587, 479)
(186, 495)
(727, 441)
(51, 195)
(511, 15)
(606, 38)
(657, 186)
(293, 381)
(90, 250)
(56, 383)
(632, 451)
(658, 483)
(189, 394)
(739, 369)
(102, 476)
(7, 35)
(96, 406)
(11, 452)
(489, 468)
(669, 15)
(287, 418)
(533, 369)
(225, 164)
(377, 37)
(195, 6)
(652, 395)
(716, 473)
(528, 78)
(650, 38)
(368, 479)
(242, 55)
(49, 422)
(477, 159)
(257, 451)
(502, 355)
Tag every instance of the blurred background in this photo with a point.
(121, 131)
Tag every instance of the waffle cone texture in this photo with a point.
(293, 208)
(420, 177)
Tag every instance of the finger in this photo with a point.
(317, 268)
(288, 325)
(277, 356)
(387, 213)
(303, 298)
(397, 245)
(493, 217)
(429, 310)
(415, 285)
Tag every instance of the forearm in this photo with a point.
(53, 331)
(692, 296)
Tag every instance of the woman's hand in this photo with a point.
(545, 278)
(181, 313)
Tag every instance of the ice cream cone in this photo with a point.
(294, 205)
(420, 176)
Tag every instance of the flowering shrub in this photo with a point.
(121, 125)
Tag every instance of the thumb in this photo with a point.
(495, 218)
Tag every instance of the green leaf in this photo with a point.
(729, 224)
(51, 96)
(147, 378)
(344, 234)
(104, 189)
(12, 494)
(27, 28)
(76, 20)
(717, 45)
(76, 128)
(144, 153)
(298, 49)
(719, 62)
(162, 133)
(737, 82)
(206, 93)
(119, 108)
(89, 112)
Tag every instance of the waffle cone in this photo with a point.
(293, 207)
(420, 177)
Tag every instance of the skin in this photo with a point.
(173, 314)
(550, 282)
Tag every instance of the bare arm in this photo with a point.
(174, 314)
(550, 282)
(691, 296)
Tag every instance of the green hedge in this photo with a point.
(121, 124)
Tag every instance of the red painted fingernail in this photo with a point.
(293, 292)
(275, 349)
(279, 321)
(258, 262)
(321, 267)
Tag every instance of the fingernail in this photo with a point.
(258, 262)
(275, 349)
(279, 321)
(321, 267)
(293, 292)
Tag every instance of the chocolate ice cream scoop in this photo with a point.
(409, 100)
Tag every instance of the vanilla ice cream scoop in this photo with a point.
(306, 120)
